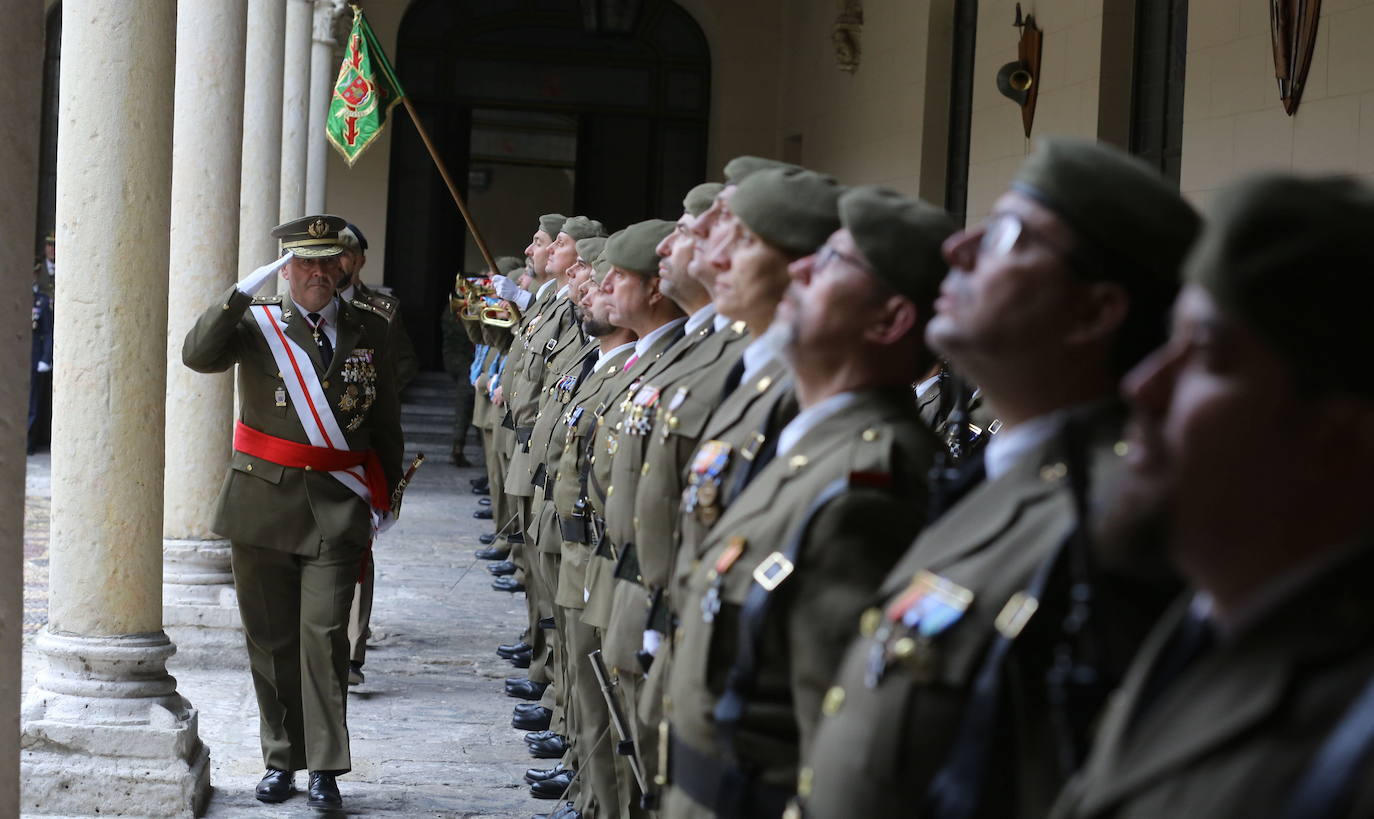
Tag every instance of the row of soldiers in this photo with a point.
(764, 579)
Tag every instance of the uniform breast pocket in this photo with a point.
(256, 467)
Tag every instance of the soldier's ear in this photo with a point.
(892, 321)
(1098, 314)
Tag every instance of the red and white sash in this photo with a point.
(307, 395)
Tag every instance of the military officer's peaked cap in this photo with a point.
(311, 237)
(636, 247)
(590, 248)
(551, 223)
(698, 199)
(505, 264)
(900, 237)
(1116, 204)
(580, 227)
(1294, 258)
(792, 209)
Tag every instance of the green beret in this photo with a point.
(551, 223)
(1294, 259)
(636, 247)
(698, 199)
(505, 264)
(900, 236)
(742, 166)
(602, 266)
(580, 227)
(590, 248)
(792, 209)
(1117, 205)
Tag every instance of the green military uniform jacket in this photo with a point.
(578, 427)
(900, 694)
(403, 357)
(546, 442)
(504, 441)
(295, 510)
(609, 430)
(543, 337)
(878, 445)
(1233, 733)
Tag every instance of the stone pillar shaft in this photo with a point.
(21, 39)
(295, 109)
(260, 194)
(324, 69)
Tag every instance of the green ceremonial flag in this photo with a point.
(363, 93)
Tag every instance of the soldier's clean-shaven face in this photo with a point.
(562, 255)
(1009, 289)
(312, 281)
(538, 252)
(712, 228)
(750, 286)
(578, 276)
(630, 296)
(674, 256)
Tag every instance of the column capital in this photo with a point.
(328, 13)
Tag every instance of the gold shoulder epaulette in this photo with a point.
(376, 304)
(267, 299)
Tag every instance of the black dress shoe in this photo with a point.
(507, 584)
(484, 501)
(487, 539)
(476, 482)
(276, 786)
(481, 490)
(459, 459)
(522, 660)
(324, 791)
(552, 748)
(502, 568)
(491, 553)
(483, 514)
(566, 812)
(526, 690)
(536, 721)
(540, 736)
(551, 788)
(516, 537)
(534, 775)
(506, 651)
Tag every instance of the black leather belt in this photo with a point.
(723, 788)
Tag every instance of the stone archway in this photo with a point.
(613, 95)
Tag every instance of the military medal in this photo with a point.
(710, 603)
(703, 482)
(928, 606)
(642, 418)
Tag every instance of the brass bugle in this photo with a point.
(498, 317)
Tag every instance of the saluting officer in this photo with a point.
(317, 454)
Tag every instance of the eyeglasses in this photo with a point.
(1003, 231)
(828, 254)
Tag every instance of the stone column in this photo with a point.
(21, 40)
(260, 194)
(104, 729)
(324, 69)
(200, 612)
(295, 112)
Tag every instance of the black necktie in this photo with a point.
(733, 377)
(326, 348)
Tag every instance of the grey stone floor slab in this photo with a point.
(430, 727)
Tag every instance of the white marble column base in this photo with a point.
(200, 611)
(105, 731)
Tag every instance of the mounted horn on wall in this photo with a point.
(1019, 80)
(1293, 28)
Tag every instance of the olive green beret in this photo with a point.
(698, 199)
(1294, 258)
(900, 236)
(505, 264)
(602, 266)
(580, 227)
(742, 166)
(636, 247)
(588, 249)
(792, 209)
(1116, 204)
(551, 223)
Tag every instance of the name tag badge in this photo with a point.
(281, 396)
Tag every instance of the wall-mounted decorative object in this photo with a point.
(845, 35)
(1293, 28)
(1019, 80)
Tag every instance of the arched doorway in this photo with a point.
(578, 106)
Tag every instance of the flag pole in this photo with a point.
(448, 180)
